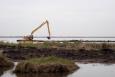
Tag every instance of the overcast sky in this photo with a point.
(66, 17)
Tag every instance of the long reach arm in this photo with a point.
(30, 37)
(47, 23)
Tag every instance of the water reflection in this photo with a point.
(94, 70)
(43, 75)
(86, 70)
(2, 70)
(8, 72)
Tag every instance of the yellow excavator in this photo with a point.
(30, 37)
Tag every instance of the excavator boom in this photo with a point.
(47, 23)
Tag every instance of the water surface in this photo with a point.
(86, 70)
(94, 70)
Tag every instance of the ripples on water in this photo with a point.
(86, 70)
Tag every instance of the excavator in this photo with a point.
(30, 37)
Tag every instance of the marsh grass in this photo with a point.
(46, 64)
(49, 60)
(5, 62)
(57, 44)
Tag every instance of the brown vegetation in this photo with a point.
(42, 75)
(59, 45)
(49, 64)
(74, 50)
(4, 62)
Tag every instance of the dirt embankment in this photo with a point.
(5, 64)
(49, 64)
(93, 55)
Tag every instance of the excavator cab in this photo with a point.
(29, 37)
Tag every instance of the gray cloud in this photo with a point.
(66, 17)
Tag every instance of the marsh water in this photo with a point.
(86, 70)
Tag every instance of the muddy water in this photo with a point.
(95, 70)
(86, 70)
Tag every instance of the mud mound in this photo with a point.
(96, 55)
(46, 65)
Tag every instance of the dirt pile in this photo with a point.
(95, 55)
(49, 64)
